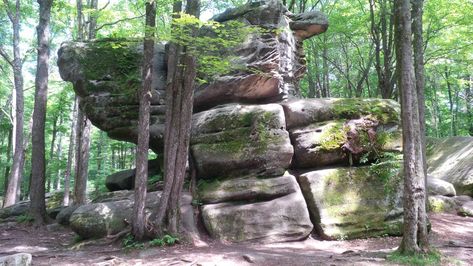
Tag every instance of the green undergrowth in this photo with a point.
(25, 219)
(129, 242)
(430, 258)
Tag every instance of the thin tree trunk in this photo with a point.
(141, 177)
(51, 152)
(93, 19)
(418, 47)
(38, 160)
(415, 225)
(18, 111)
(70, 154)
(7, 167)
(82, 158)
(453, 128)
(179, 93)
(57, 183)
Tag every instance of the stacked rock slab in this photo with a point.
(451, 160)
(256, 147)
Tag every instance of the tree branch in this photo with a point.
(5, 56)
(118, 21)
(7, 9)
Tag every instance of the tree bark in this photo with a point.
(18, 111)
(415, 217)
(70, 154)
(179, 93)
(51, 152)
(141, 177)
(38, 160)
(82, 158)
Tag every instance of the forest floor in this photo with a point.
(452, 235)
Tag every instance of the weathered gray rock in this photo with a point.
(17, 209)
(20, 259)
(64, 215)
(342, 142)
(451, 160)
(463, 199)
(260, 217)
(115, 196)
(278, 53)
(247, 189)
(126, 179)
(439, 203)
(268, 66)
(98, 220)
(101, 219)
(466, 209)
(437, 186)
(236, 140)
(304, 112)
(106, 75)
(353, 202)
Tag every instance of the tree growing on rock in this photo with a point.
(182, 70)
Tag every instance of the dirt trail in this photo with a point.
(451, 234)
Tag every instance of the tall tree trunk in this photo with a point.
(82, 157)
(469, 103)
(51, 152)
(80, 19)
(141, 177)
(9, 150)
(93, 19)
(70, 154)
(418, 50)
(57, 174)
(415, 218)
(18, 111)
(453, 128)
(179, 94)
(38, 160)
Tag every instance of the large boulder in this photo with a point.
(255, 209)
(437, 186)
(268, 64)
(110, 217)
(126, 179)
(275, 49)
(467, 209)
(342, 131)
(236, 140)
(451, 160)
(439, 203)
(354, 202)
(106, 76)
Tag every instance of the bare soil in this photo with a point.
(452, 235)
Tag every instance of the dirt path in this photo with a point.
(451, 234)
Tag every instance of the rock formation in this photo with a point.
(258, 148)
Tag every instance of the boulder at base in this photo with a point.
(20, 259)
(439, 203)
(110, 217)
(341, 131)
(353, 202)
(451, 160)
(252, 209)
(236, 140)
(467, 209)
(126, 179)
(437, 186)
